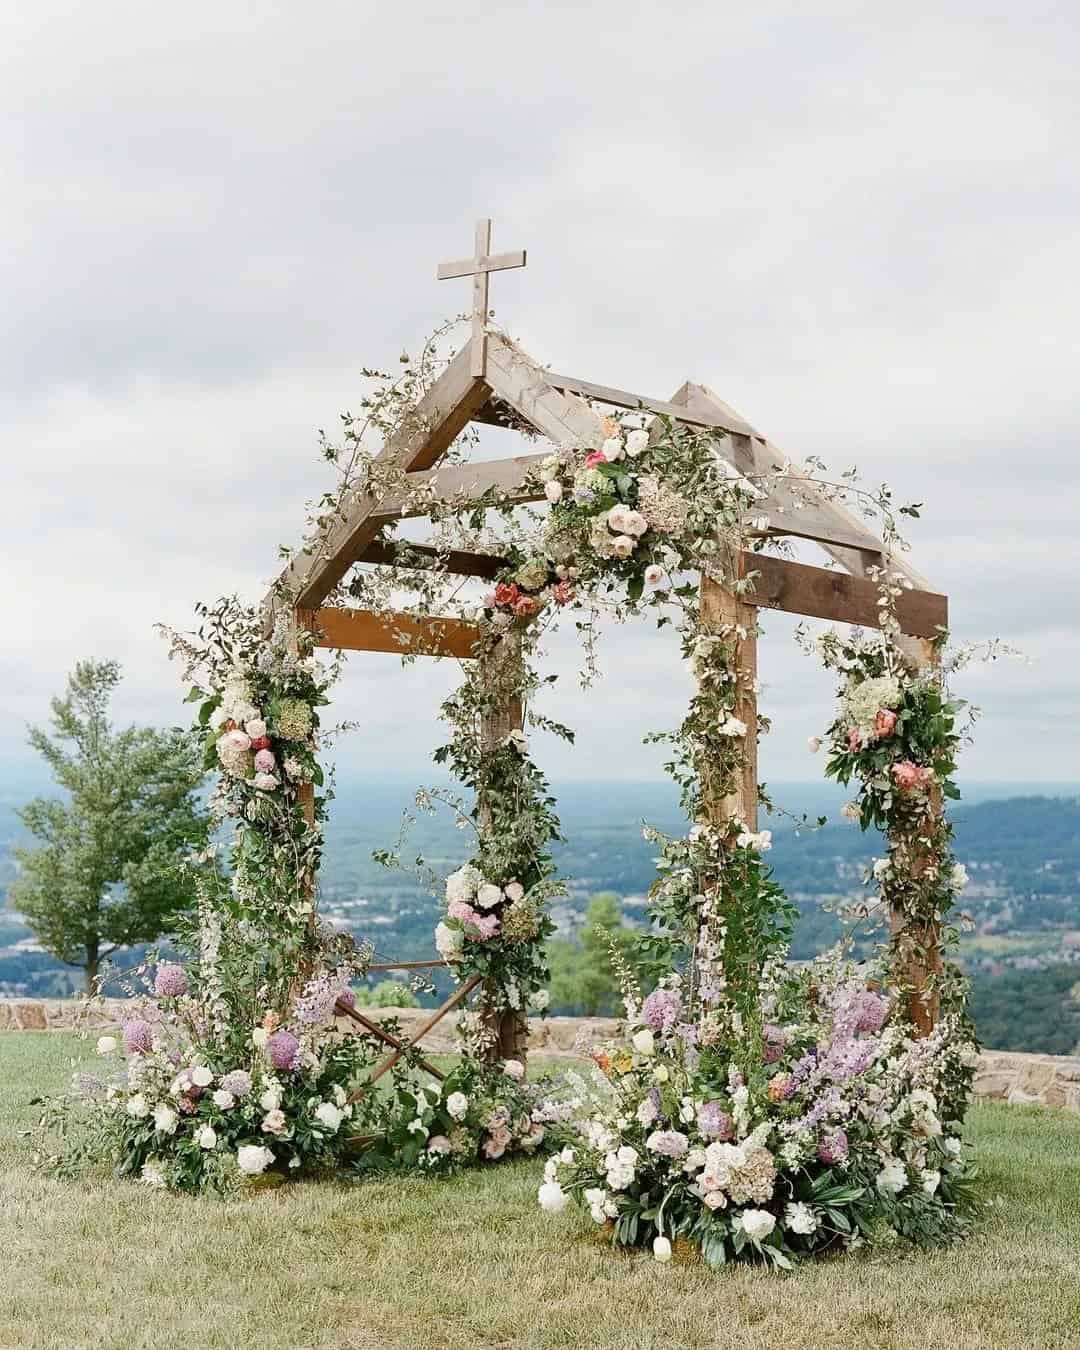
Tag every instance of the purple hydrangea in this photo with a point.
(346, 997)
(238, 1082)
(138, 1036)
(871, 1012)
(661, 1010)
(284, 1050)
(714, 1122)
(847, 1058)
(171, 981)
(833, 1147)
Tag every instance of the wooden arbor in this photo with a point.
(492, 380)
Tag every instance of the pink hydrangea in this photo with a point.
(138, 1037)
(714, 1122)
(462, 911)
(483, 927)
(872, 1010)
(833, 1147)
(237, 1082)
(170, 981)
(284, 1050)
(661, 1009)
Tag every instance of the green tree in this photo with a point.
(106, 873)
(583, 979)
(386, 994)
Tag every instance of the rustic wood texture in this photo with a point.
(479, 267)
(519, 381)
(508, 478)
(376, 1029)
(720, 608)
(422, 557)
(314, 571)
(718, 419)
(820, 593)
(366, 630)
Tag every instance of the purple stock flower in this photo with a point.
(138, 1037)
(171, 981)
(661, 1009)
(833, 1147)
(238, 1082)
(714, 1122)
(284, 1050)
(318, 998)
(846, 1059)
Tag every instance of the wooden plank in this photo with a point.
(461, 482)
(344, 1010)
(365, 630)
(725, 421)
(720, 608)
(468, 267)
(837, 596)
(478, 346)
(518, 380)
(444, 411)
(422, 557)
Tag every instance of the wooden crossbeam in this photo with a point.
(451, 1003)
(443, 412)
(515, 378)
(388, 1037)
(366, 630)
(422, 557)
(820, 593)
(719, 420)
(509, 478)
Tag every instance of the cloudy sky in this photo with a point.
(856, 222)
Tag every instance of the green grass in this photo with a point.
(471, 1264)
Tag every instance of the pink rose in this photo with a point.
(595, 457)
(907, 775)
(854, 741)
(884, 723)
(274, 1122)
(564, 593)
(264, 761)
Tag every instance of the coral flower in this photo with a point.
(594, 458)
(884, 723)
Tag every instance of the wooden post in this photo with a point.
(916, 944)
(720, 609)
(502, 673)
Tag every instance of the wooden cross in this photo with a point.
(479, 268)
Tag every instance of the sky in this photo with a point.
(856, 222)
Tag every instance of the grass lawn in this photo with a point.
(471, 1264)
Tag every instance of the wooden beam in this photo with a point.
(820, 593)
(387, 1037)
(442, 413)
(722, 609)
(365, 630)
(726, 421)
(518, 380)
(422, 557)
(508, 478)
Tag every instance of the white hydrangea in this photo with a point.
(620, 1167)
(449, 942)
(892, 1177)
(602, 1206)
(863, 701)
(253, 1159)
(463, 884)
(329, 1116)
(757, 1223)
(553, 1199)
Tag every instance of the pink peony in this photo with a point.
(884, 723)
(595, 457)
(170, 981)
(284, 1050)
(264, 761)
(909, 776)
(138, 1037)
(462, 910)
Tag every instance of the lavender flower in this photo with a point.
(238, 1083)
(661, 1009)
(668, 1143)
(315, 1005)
(171, 981)
(833, 1147)
(714, 1122)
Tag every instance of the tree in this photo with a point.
(107, 873)
(583, 978)
(386, 994)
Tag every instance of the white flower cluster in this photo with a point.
(864, 700)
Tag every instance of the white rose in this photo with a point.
(613, 448)
(456, 1105)
(326, 1113)
(259, 1037)
(223, 1100)
(339, 1095)
(255, 728)
(513, 1068)
(515, 891)
(201, 1076)
(757, 1223)
(930, 1179)
(892, 1177)
(635, 523)
(660, 1073)
(637, 441)
(218, 716)
(270, 1100)
(488, 895)
(616, 518)
(953, 1145)
(800, 1218)
(106, 1045)
(206, 1137)
(661, 1249)
(265, 782)
(448, 942)
(643, 1041)
(138, 1106)
(165, 1119)
(253, 1159)
(654, 574)
(622, 545)
(959, 877)
(553, 1199)
(814, 744)
(553, 491)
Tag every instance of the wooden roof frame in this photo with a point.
(556, 407)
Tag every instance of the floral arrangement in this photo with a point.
(823, 1125)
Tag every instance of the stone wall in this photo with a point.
(1027, 1080)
